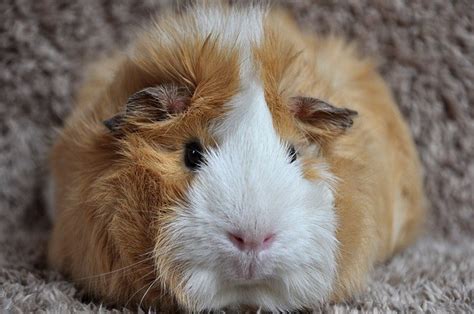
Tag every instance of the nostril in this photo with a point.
(237, 240)
(268, 240)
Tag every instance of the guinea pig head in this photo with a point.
(235, 201)
(226, 182)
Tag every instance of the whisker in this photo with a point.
(146, 292)
(130, 299)
(148, 253)
(116, 270)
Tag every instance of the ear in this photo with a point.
(150, 105)
(322, 118)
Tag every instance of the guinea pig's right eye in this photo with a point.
(193, 156)
(292, 154)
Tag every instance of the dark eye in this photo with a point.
(292, 153)
(193, 156)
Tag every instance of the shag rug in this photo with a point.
(425, 50)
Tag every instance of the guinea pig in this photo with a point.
(226, 160)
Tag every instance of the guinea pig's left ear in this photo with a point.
(152, 104)
(323, 118)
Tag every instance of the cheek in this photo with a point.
(171, 253)
(132, 206)
(140, 204)
(139, 229)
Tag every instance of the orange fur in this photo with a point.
(115, 196)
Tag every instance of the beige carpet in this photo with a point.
(425, 50)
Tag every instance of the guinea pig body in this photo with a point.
(227, 160)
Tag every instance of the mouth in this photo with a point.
(251, 272)
(247, 272)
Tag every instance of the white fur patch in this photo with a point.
(248, 185)
(234, 26)
(239, 27)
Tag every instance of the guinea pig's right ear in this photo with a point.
(150, 105)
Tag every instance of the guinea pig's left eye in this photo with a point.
(292, 153)
(193, 156)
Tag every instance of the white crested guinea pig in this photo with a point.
(228, 160)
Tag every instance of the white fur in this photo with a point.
(235, 26)
(249, 185)
(242, 28)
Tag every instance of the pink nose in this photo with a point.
(250, 243)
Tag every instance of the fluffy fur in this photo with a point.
(129, 208)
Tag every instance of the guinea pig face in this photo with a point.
(255, 229)
(244, 202)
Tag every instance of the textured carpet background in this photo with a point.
(425, 50)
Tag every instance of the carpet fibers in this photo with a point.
(425, 50)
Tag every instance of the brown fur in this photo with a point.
(115, 195)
